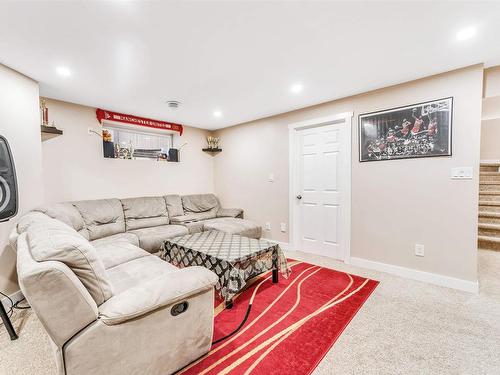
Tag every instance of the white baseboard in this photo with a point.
(15, 297)
(285, 246)
(431, 278)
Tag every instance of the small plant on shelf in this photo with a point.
(213, 144)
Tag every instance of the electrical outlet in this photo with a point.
(268, 226)
(283, 227)
(419, 250)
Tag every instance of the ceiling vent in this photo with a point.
(173, 104)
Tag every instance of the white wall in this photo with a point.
(395, 204)
(490, 139)
(74, 166)
(491, 82)
(20, 124)
(490, 126)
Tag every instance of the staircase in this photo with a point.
(489, 207)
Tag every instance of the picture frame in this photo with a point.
(414, 131)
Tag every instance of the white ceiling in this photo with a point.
(237, 57)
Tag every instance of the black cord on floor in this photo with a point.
(14, 305)
(11, 308)
(17, 307)
(237, 329)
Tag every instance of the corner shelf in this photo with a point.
(212, 150)
(49, 132)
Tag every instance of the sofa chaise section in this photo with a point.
(200, 212)
(241, 227)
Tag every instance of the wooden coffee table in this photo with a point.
(235, 259)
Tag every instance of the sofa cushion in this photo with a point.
(190, 217)
(137, 271)
(144, 212)
(119, 237)
(52, 240)
(201, 203)
(103, 217)
(174, 205)
(230, 212)
(231, 225)
(151, 239)
(194, 226)
(68, 214)
(114, 254)
(31, 218)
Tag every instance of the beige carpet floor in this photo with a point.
(405, 327)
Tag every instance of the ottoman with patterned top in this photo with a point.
(235, 259)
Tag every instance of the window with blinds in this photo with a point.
(127, 143)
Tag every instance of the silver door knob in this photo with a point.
(299, 196)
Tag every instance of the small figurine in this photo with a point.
(44, 112)
(213, 142)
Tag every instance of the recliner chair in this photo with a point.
(115, 310)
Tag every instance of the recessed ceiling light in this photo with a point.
(217, 113)
(296, 88)
(466, 33)
(63, 71)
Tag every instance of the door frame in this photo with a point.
(293, 159)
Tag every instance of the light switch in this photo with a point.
(271, 177)
(419, 250)
(461, 173)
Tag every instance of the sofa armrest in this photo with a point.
(230, 212)
(154, 294)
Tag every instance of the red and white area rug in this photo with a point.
(291, 326)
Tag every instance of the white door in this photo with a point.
(321, 182)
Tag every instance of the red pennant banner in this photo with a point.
(139, 121)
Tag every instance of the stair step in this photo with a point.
(488, 178)
(490, 239)
(490, 192)
(489, 214)
(488, 219)
(489, 226)
(489, 173)
(488, 198)
(489, 186)
(484, 196)
(489, 203)
(489, 208)
(488, 229)
(489, 243)
(488, 168)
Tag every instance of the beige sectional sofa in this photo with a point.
(107, 303)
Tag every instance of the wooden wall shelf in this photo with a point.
(212, 150)
(49, 132)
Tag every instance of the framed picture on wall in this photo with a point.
(415, 131)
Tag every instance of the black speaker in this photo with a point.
(8, 184)
(173, 154)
